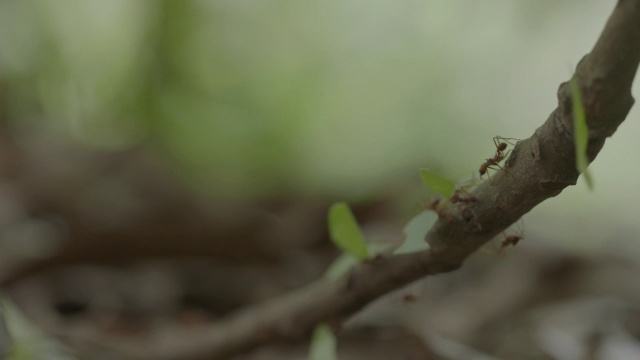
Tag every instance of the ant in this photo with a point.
(458, 198)
(500, 155)
(494, 161)
(513, 239)
(409, 298)
(436, 206)
(510, 240)
(442, 208)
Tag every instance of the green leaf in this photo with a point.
(345, 232)
(580, 132)
(440, 184)
(415, 231)
(323, 344)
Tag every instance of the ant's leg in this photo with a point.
(508, 140)
(520, 227)
(496, 143)
(506, 155)
(501, 168)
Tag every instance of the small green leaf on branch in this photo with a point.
(345, 232)
(439, 184)
(580, 132)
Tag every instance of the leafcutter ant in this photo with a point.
(513, 239)
(409, 298)
(439, 208)
(461, 196)
(434, 204)
(510, 240)
(442, 208)
(501, 145)
(406, 298)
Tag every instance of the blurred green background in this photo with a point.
(344, 99)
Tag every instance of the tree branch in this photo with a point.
(539, 167)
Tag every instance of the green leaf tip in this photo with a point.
(345, 232)
(323, 344)
(439, 184)
(580, 132)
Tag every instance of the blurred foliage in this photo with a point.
(335, 98)
(243, 97)
(323, 344)
(29, 342)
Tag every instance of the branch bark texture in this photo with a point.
(539, 167)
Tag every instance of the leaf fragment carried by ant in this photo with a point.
(415, 231)
(439, 184)
(345, 232)
(580, 132)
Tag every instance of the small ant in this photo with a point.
(442, 208)
(406, 298)
(436, 206)
(513, 239)
(500, 155)
(409, 298)
(458, 198)
(510, 240)
(494, 161)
